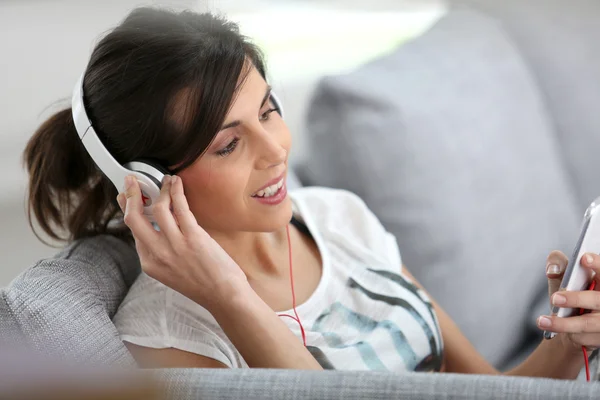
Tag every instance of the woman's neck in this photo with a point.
(259, 254)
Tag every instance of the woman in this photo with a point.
(240, 273)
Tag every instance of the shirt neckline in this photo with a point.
(300, 211)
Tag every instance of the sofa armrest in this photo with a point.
(192, 384)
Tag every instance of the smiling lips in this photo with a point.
(273, 193)
(270, 190)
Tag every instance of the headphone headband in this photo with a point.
(149, 176)
(103, 159)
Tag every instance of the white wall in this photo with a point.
(45, 44)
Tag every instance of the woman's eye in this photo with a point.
(229, 148)
(265, 116)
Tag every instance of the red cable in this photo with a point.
(296, 318)
(585, 356)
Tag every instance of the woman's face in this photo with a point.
(225, 187)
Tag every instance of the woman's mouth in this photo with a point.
(273, 194)
(269, 191)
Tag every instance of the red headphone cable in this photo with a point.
(296, 318)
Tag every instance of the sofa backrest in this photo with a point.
(63, 306)
(449, 142)
(558, 40)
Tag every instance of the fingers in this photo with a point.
(122, 200)
(587, 323)
(162, 212)
(588, 300)
(556, 265)
(591, 261)
(134, 213)
(181, 209)
(589, 340)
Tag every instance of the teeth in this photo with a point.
(270, 190)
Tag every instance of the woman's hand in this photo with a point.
(185, 258)
(182, 255)
(579, 330)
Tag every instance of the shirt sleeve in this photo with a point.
(344, 217)
(152, 315)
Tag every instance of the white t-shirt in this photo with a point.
(364, 314)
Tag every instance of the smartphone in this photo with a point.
(576, 277)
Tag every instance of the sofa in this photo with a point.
(463, 150)
(475, 145)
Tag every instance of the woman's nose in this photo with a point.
(270, 151)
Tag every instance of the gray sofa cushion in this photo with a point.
(559, 40)
(449, 143)
(9, 329)
(63, 306)
(184, 384)
(292, 181)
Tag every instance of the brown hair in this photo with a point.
(157, 87)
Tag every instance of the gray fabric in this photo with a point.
(9, 330)
(560, 41)
(188, 384)
(292, 181)
(448, 141)
(63, 306)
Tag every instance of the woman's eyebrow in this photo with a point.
(235, 123)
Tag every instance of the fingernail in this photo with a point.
(544, 322)
(173, 179)
(553, 269)
(166, 179)
(558, 299)
(589, 259)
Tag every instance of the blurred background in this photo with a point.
(45, 45)
(469, 127)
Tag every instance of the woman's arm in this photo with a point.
(147, 357)
(262, 339)
(459, 354)
(550, 359)
(259, 334)
(184, 257)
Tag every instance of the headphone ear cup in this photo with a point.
(150, 176)
(154, 171)
(150, 193)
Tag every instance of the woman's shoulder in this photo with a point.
(144, 307)
(333, 207)
(342, 216)
(153, 302)
(329, 201)
(156, 316)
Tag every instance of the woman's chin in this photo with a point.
(274, 218)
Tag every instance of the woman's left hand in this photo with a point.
(578, 330)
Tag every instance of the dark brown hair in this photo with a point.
(157, 87)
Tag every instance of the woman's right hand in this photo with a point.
(181, 255)
(184, 257)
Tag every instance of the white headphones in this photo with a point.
(148, 174)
